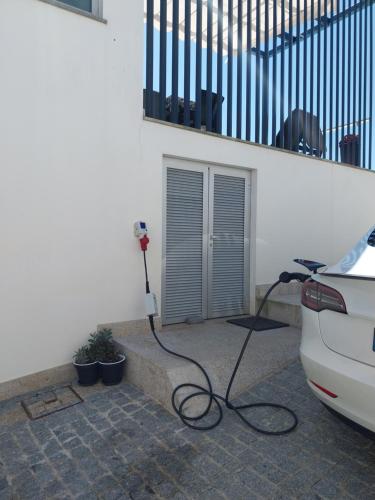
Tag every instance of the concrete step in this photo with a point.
(216, 344)
(284, 307)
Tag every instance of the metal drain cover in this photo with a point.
(42, 404)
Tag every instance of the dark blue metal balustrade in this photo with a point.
(294, 74)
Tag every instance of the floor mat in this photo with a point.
(261, 324)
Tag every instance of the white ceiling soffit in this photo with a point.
(290, 15)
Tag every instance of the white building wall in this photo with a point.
(79, 165)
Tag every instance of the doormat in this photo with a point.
(261, 324)
(45, 403)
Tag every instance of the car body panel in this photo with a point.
(359, 262)
(351, 334)
(337, 348)
(353, 382)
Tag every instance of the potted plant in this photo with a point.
(111, 360)
(86, 365)
(350, 149)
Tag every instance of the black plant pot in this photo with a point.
(350, 152)
(112, 373)
(87, 374)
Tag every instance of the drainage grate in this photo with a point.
(42, 404)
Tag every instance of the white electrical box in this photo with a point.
(151, 304)
(140, 229)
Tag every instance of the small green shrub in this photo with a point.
(84, 355)
(102, 346)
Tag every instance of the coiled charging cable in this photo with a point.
(216, 399)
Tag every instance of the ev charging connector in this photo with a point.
(141, 232)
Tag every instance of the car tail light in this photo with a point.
(319, 297)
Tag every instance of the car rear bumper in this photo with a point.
(351, 381)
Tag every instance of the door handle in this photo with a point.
(212, 237)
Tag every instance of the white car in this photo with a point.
(338, 335)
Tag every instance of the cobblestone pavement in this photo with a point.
(120, 444)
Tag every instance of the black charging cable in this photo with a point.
(216, 399)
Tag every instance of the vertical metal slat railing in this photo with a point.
(317, 62)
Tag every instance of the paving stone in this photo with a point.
(326, 489)
(3, 484)
(43, 472)
(119, 444)
(51, 447)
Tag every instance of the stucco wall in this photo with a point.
(79, 165)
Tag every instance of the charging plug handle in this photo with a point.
(286, 277)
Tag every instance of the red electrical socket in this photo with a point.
(144, 241)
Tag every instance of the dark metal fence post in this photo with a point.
(149, 56)
(325, 77)
(187, 63)
(219, 115)
(364, 113)
(371, 30)
(175, 42)
(282, 74)
(343, 69)
(274, 71)
(257, 74)
(312, 68)
(198, 68)
(318, 69)
(239, 71)
(349, 72)
(290, 74)
(298, 64)
(304, 74)
(209, 68)
(360, 77)
(355, 71)
(163, 59)
(230, 68)
(248, 69)
(265, 75)
(337, 82)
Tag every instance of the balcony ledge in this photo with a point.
(264, 146)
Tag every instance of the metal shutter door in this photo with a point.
(226, 296)
(183, 246)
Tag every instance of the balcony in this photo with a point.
(293, 74)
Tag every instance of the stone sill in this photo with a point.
(74, 10)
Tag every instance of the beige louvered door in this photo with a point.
(228, 248)
(205, 242)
